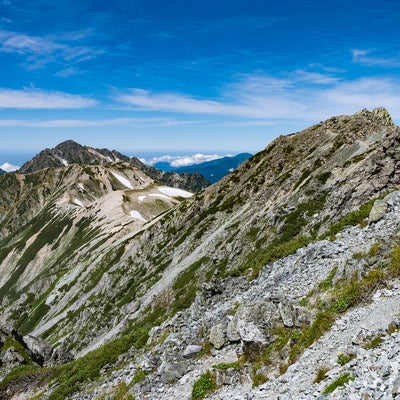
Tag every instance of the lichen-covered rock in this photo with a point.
(218, 335)
(378, 210)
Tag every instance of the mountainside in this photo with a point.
(70, 152)
(2, 172)
(225, 290)
(214, 170)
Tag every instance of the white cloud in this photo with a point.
(42, 50)
(184, 160)
(252, 104)
(98, 123)
(42, 99)
(8, 167)
(259, 99)
(315, 77)
(364, 57)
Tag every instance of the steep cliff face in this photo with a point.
(98, 259)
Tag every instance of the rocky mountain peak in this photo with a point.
(71, 152)
(379, 115)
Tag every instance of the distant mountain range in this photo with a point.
(2, 172)
(70, 152)
(213, 170)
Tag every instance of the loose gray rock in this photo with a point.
(218, 336)
(191, 351)
(378, 210)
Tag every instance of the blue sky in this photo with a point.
(182, 76)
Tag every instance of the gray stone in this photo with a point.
(39, 349)
(396, 387)
(286, 312)
(191, 350)
(218, 335)
(231, 331)
(171, 371)
(11, 356)
(378, 210)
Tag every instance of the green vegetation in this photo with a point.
(354, 218)
(344, 358)
(259, 379)
(310, 334)
(185, 286)
(121, 392)
(306, 173)
(374, 343)
(205, 385)
(139, 376)
(38, 313)
(322, 178)
(328, 282)
(87, 368)
(341, 381)
(18, 347)
(321, 374)
(224, 366)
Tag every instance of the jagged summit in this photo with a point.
(379, 115)
(71, 152)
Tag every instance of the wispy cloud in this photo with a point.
(98, 123)
(183, 160)
(366, 57)
(39, 51)
(314, 77)
(303, 96)
(253, 103)
(238, 22)
(42, 99)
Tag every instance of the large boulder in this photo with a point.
(252, 324)
(378, 210)
(218, 335)
(40, 350)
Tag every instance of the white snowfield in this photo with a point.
(169, 191)
(136, 214)
(141, 198)
(123, 180)
(163, 196)
(78, 203)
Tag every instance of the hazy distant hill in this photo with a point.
(212, 170)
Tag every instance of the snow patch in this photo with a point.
(78, 203)
(141, 198)
(160, 195)
(136, 214)
(123, 180)
(80, 185)
(169, 191)
(65, 162)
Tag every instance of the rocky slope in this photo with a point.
(70, 152)
(240, 275)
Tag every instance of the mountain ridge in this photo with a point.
(71, 152)
(207, 276)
